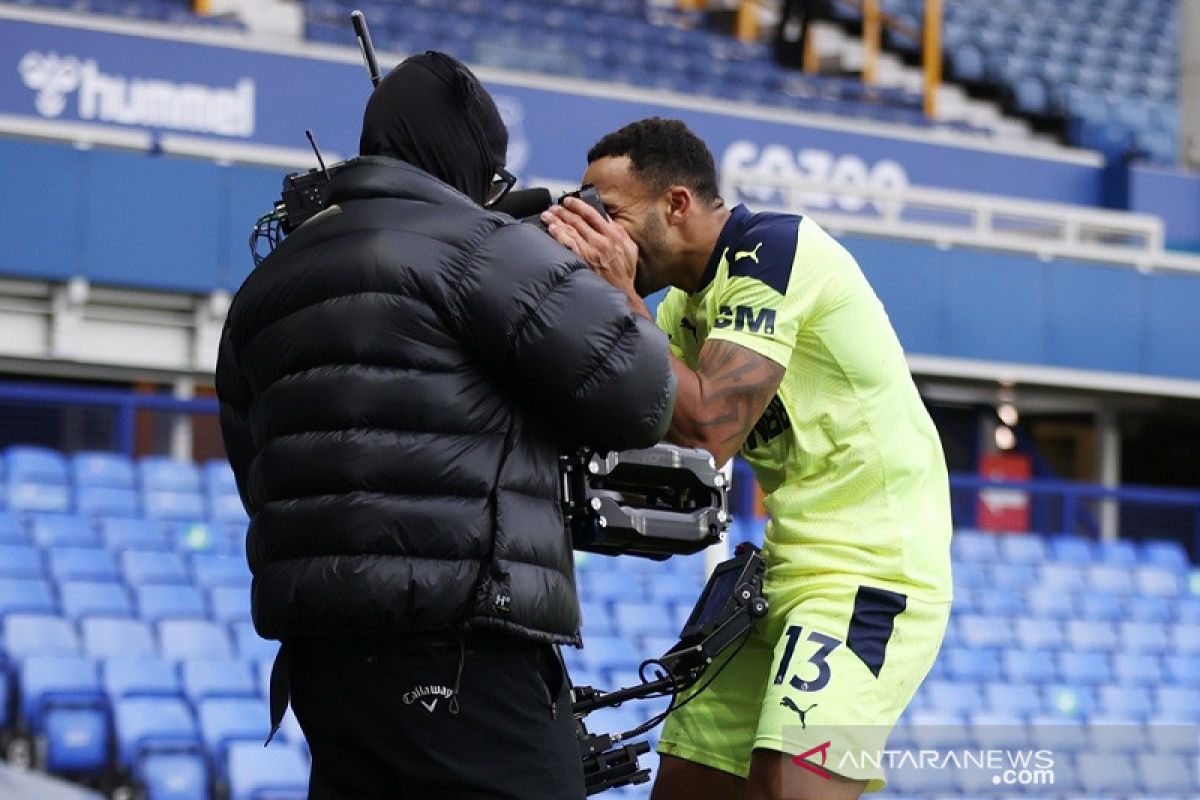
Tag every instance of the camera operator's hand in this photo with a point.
(601, 243)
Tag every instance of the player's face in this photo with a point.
(641, 212)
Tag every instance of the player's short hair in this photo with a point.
(663, 152)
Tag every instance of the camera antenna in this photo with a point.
(316, 151)
(364, 44)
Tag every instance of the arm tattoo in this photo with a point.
(737, 384)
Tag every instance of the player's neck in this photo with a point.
(701, 239)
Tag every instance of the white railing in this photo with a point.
(947, 218)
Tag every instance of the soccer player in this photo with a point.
(782, 352)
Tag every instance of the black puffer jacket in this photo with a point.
(396, 383)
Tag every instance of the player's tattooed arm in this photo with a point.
(717, 405)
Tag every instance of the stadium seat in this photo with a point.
(39, 497)
(117, 638)
(158, 602)
(1185, 639)
(1138, 637)
(674, 587)
(970, 663)
(1084, 669)
(38, 635)
(123, 533)
(64, 530)
(1068, 701)
(101, 469)
(1187, 610)
(1149, 609)
(1125, 702)
(642, 619)
(229, 603)
(610, 585)
(105, 500)
(40, 464)
(1038, 634)
(145, 725)
(1110, 578)
(1165, 775)
(967, 545)
(226, 720)
(1091, 635)
(144, 567)
(1121, 553)
(174, 505)
(1101, 607)
(981, 631)
(12, 530)
(1169, 555)
(1019, 548)
(1137, 669)
(82, 564)
(206, 679)
(178, 776)
(1001, 602)
(218, 477)
(609, 653)
(62, 704)
(57, 680)
(157, 473)
(277, 772)
(139, 676)
(21, 561)
(1179, 703)
(213, 569)
(1070, 550)
(1005, 698)
(1156, 581)
(183, 639)
(76, 740)
(250, 646)
(970, 575)
(1108, 773)
(81, 599)
(1011, 576)
(596, 619)
(951, 696)
(227, 508)
(26, 596)
(1062, 577)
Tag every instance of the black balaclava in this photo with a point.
(432, 112)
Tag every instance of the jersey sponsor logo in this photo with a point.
(801, 712)
(419, 693)
(745, 318)
(750, 254)
(774, 421)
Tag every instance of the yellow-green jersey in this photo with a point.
(848, 458)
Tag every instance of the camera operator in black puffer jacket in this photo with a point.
(397, 381)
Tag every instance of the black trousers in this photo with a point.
(382, 720)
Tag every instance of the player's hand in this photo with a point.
(599, 242)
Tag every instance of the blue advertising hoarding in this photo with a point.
(170, 83)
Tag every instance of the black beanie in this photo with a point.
(432, 112)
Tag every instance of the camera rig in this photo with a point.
(729, 605)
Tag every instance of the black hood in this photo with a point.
(432, 112)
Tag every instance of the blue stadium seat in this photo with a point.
(951, 696)
(1185, 639)
(1021, 701)
(968, 545)
(124, 533)
(1110, 578)
(64, 530)
(608, 653)
(226, 720)
(26, 596)
(643, 619)
(146, 725)
(1165, 775)
(174, 505)
(76, 740)
(250, 646)
(1121, 552)
(82, 564)
(62, 703)
(165, 601)
(206, 679)
(158, 473)
(1107, 773)
(57, 680)
(1137, 669)
(1068, 701)
(192, 536)
(992, 730)
(229, 603)
(214, 569)
(1091, 635)
(1138, 637)
(1070, 550)
(110, 470)
(227, 508)
(1001, 602)
(218, 477)
(39, 635)
(117, 638)
(970, 663)
(1062, 577)
(38, 497)
(140, 676)
(81, 599)
(105, 500)
(144, 567)
(1182, 669)
(1011, 576)
(981, 631)
(21, 561)
(40, 464)
(183, 639)
(1167, 554)
(1084, 669)
(1038, 634)
(1022, 549)
(277, 771)
(1187, 609)
(611, 585)
(177, 776)
(673, 587)
(1101, 607)
(1149, 609)
(597, 620)
(1125, 702)
(12, 530)
(1157, 581)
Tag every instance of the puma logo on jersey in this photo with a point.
(750, 254)
(802, 712)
